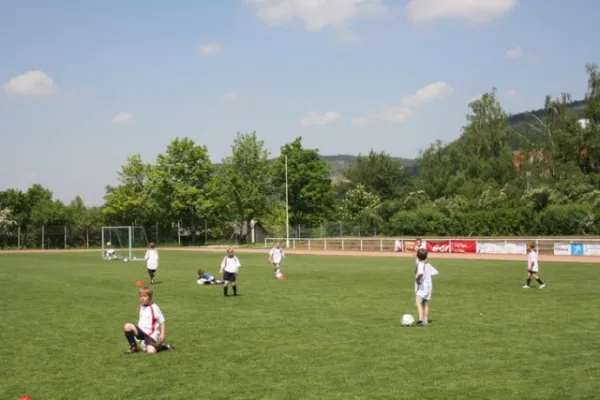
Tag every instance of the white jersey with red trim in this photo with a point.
(150, 320)
(231, 264)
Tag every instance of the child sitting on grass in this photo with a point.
(149, 334)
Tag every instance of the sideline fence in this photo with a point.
(578, 246)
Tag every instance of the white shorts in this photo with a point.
(423, 296)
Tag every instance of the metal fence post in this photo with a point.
(42, 237)
(18, 238)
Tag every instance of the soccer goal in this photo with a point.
(127, 243)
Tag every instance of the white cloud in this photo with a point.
(209, 48)
(515, 52)
(33, 83)
(511, 93)
(473, 11)
(122, 117)
(318, 14)
(229, 97)
(409, 106)
(315, 119)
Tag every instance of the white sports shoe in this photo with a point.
(526, 287)
(543, 286)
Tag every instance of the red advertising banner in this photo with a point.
(438, 246)
(463, 246)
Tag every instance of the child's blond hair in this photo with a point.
(148, 291)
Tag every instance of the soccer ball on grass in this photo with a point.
(407, 320)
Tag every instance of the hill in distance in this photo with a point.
(519, 122)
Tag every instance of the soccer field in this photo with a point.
(330, 331)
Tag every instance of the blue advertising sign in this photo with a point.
(576, 249)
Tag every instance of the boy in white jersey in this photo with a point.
(151, 259)
(275, 257)
(149, 334)
(229, 268)
(423, 286)
(533, 268)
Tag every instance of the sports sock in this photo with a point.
(541, 282)
(234, 290)
(528, 281)
(225, 290)
(130, 338)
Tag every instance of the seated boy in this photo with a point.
(149, 334)
(207, 279)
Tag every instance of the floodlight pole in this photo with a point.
(130, 241)
(287, 207)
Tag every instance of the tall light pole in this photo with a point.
(287, 208)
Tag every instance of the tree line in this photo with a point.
(542, 178)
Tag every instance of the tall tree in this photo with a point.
(184, 183)
(246, 179)
(379, 174)
(486, 141)
(310, 191)
(131, 200)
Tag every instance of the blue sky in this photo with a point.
(84, 84)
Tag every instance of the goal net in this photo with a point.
(127, 243)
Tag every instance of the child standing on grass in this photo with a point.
(275, 257)
(423, 286)
(533, 268)
(151, 259)
(149, 334)
(229, 268)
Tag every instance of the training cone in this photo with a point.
(25, 398)
(282, 278)
(139, 283)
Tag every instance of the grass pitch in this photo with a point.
(331, 331)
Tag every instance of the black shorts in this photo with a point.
(229, 276)
(532, 272)
(141, 335)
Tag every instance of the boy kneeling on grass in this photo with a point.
(149, 334)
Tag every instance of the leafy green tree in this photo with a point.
(246, 180)
(310, 190)
(379, 174)
(358, 201)
(132, 199)
(7, 224)
(183, 184)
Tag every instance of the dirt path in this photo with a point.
(497, 257)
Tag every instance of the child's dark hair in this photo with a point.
(152, 245)
(422, 254)
(200, 271)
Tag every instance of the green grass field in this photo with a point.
(331, 331)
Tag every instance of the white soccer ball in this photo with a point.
(125, 259)
(407, 320)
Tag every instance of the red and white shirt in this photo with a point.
(151, 318)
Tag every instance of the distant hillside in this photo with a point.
(341, 162)
(520, 122)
